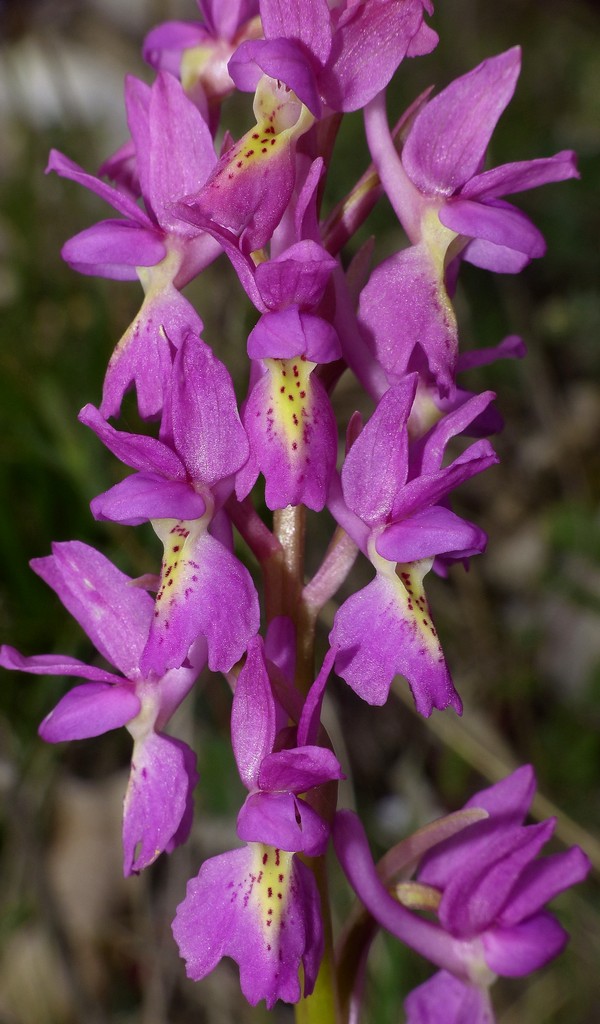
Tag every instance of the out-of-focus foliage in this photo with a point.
(521, 630)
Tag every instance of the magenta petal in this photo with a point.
(253, 719)
(541, 881)
(121, 167)
(310, 719)
(177, 683)
(370, 42)
(281, 59)
(375, 468)
(380, 634)
(307, 21)
(509, 799)
(297, 277)
(425, 40)
(145, 496)
(433, 531)
(511, 347)
(507, 802)
(137, 104)
(181, 150)
(181, 835)
(493, 257)
(164, 45)
(522, 175)
(306, 213)
(207, 429)
(248, 475)
(113, 249)
(280, 645)
(226, 913)
(496, 222)
(90, 710)
(449, 137)
(205, 590)
(474, 898)
(432, 487)
(282, 820)
(406, 290)
(428, 454)
(53, 665)
(488, 421)
(514, 952)
(290, 334)
(248, 191)
(117, 199)
(143, 355)
(293, 437)
(223, 19)
(115, 615)
(444, 999)
(136, 450)
(299, 769)
(322, 344)
(156, 799)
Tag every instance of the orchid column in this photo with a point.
(226, 485)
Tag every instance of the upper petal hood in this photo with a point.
(115, 615)
(449, 137)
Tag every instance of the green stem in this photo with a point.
(289, 527)
(284, 581)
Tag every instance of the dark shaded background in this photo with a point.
(521, 629)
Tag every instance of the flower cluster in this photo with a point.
(483, 879)
(183, 200)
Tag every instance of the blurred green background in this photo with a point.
(521, 629)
